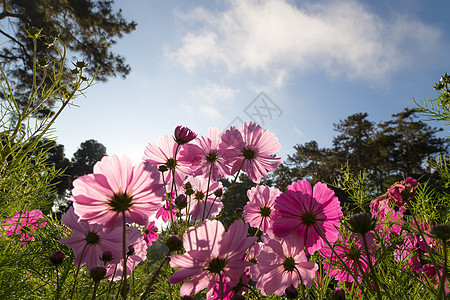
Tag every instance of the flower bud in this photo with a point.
(218, 193)
(131, 251)
(183, 135)
(291, 292)
(189, 192)
(181, 201)
(441, 208)
(338, 295)
(163, 168)
(106, 257)
(187, 186)
(98, 273)
(441, 231)
(361, 223)
(174, 243)
(57, 258)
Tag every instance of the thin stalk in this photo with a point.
(124, 255)
(76, 274)
(206, 195)
(319, 231)
(372, 270)
(96, 284)
(302, 288)
(221, 286)
(58, 289)
(441, 294)
(422, 235)
(153, 278)
(252, 290)
(231, 190)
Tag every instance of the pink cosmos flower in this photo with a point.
(280, 262)
(258, 209)
(167, 153)
(22, 225)
(403, 191)
(211, 251)
(164, 211)
(116, 188)
(304, 209)
(351, 251)
(150, 233)
(208, 155)
(252, 148)
(137, 252)
(197, 206)
(183, 135)
(378, 206)
(90, 241)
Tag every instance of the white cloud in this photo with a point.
(210, 112)
(274, 38)
(214, 93)
(298, 131)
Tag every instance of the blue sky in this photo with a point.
(204, 63)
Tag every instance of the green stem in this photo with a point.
(231, 190)
(372, 270)
(436, 268)
(153, 278)
(221, 285)
(441, 294)
(124, 255)
(319, 231)
(206, 195)
(57, 284)
(76, 274)
(302, 288)
(96, 284)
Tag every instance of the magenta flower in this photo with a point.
(137, 252)
(280, 261)
(258, 209)
(229, 292)
(379, 206)
(403, 191)
(252, 148)
(150, 233)
(22, 225)
(90, 241)
(197, 206)
(164, 211)
(116, 188)
(351, 251)
(167, 153)
(183, 135)
(208, 156)
(211, 251)
(303, 210)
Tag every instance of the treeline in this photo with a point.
(387, 152)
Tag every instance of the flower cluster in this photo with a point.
(23, 225)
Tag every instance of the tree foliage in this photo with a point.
(388, 151)
(87, 155)
(87, 27)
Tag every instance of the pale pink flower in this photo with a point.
(167, 153)
(403, 191)
(213, 204)
(252, 148)
(379, 205)
(137, 252)
(352, 253)
(208, 155)
(90, 241)
(183, 135)
(211, 251)
(304, 209)
(22, 225)
(258, 209)
(150, 233)
(280, 261)
(117, 187)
